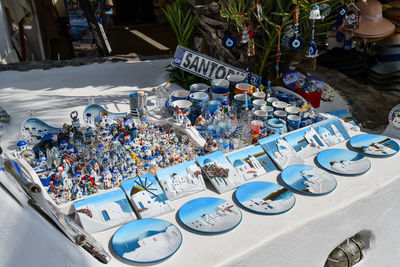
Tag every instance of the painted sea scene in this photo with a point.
(181, 180)
(104, 211)
(146, 240)
(146, 196)
(251, 162)
(220, 171)
(374, 145)
(306, 142)
(343, 161)
(33, 130)
(265, 197)
(280, 151)
(308, 179)
(331, 131)
(210, 215)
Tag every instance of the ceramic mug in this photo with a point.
(268, 109)
(261, 115)
(235, 79)
(276, 126)
(259, 95)
(220, 94)
(240, 88)
(198, 97)
(279, 105)
(293, 122)
(213, 106)
(280, 114)
(199, 87)
(181, 109)
(292, 110)
(271, 100)
(216, 83)
(259, 103)
(180, 95)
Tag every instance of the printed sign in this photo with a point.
(205, 66)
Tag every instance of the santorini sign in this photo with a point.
(205, 66)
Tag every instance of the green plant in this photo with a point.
(183, 21)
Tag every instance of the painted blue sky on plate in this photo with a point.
(197, 207)
(259, 190)
(292, 177)
(128, 184)
(216, 156)
(101, 199)
(294, 138)
(270, 166)
(178, 169)
(269, 144)
(368, 139)
(326, 157)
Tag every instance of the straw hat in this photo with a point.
(372, 23)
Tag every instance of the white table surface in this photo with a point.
(304, 236)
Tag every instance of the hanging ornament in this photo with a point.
(352, 18)
(315, 13)
(251, 50)
(259, 11)
(278, 53)
(325, 10)
(296, 43)
(245, 36)
(229, 41)
(312, 51)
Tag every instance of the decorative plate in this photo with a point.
(265, 197)
(146, 240)
(33, 130)
(210, 215)
(343, 162)
(308, 179)
(374, 145)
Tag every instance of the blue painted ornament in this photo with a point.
(229, 41)
(296, 43)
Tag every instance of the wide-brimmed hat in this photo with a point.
(372, 23)
(375, 75)
(385, 87)
(386, 67)
(395, 4)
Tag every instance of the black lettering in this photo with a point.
(213, 66)
(195, 64)
(218, 74)
(186, 64)
(230, 71)
(203, 67)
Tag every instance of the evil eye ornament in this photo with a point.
(296, 44)
(229, 41)
(312, 51)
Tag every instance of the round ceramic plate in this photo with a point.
(210, 215)
(265, 197)
(374, 145)
(308, 179)
(146, 240)
(343, 161)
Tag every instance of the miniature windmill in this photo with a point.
(146, 186)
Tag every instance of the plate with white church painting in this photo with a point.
(265, 198)
(343, 162)
(210, 215)
(146, 241)
(374, 145)
(308, 180)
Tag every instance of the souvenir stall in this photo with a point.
(233, 170)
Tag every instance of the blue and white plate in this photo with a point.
(210, 215)
(33, 130)
(308, 179)
(374, 145)
(146, 241)
(343, 162)
(265, 197)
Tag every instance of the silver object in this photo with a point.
(346, 254)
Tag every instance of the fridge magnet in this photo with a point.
(210, 215)
(33, 130)
(374, 145)
(181, 180)
(308, 179)
(305, 142)
(103, 211)
(331, 131)
(146, 196)
(343, 162)
(280, 151)
(146, 241)
(251, 162)
(265, 198)
(221, 173)
(94, 114)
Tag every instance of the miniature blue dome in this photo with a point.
(322, 130)
(69, 146)
(157, 154)
(144, 148)
(128, 141)
(106, 169)
(63, 141)
(21, 143)
(151, 158)
(100, 146)
(146, 165)
(207, 160)
(238, 163)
